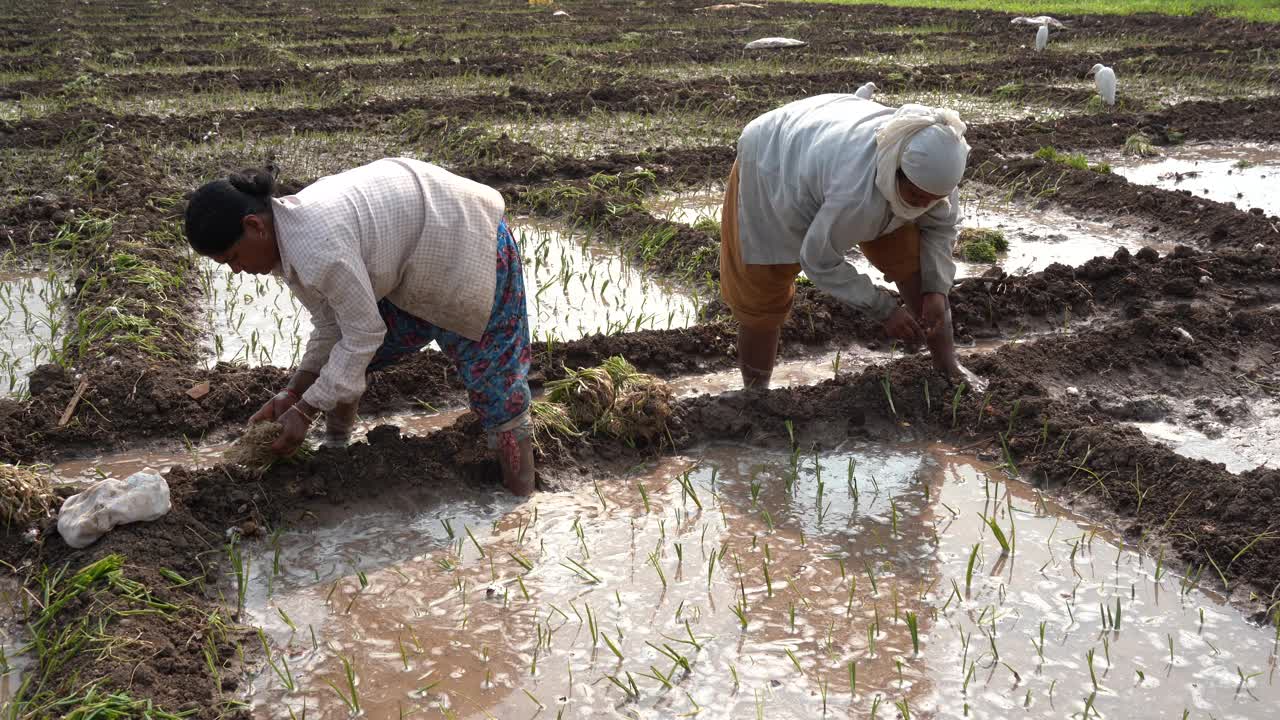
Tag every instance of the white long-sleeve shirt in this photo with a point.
(807, 194)
(396, 228)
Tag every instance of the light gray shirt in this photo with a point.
(807, 194)
(397, 228)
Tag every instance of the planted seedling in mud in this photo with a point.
(914, 627)
(282, 669)
(852, 481)
(888, 393)
(240, 569)
(581, 571)
(687, 489)
(1040, 646)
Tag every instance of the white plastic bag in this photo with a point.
(774, 42)
(87, 516)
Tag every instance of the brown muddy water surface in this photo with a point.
(734, 582)
(1241, 445)
(1244, 175)
(254, 320)
(574, 287)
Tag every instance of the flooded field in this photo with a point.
(31, 319)
(1243, 175)
(575, 288)
(255, 320)
(736, 583)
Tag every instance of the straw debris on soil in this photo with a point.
(613, 399)
(25, 496)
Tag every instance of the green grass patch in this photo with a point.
(1074, 160)
(708, 225)
(981, 244)
(75, 615)
(1260, 10)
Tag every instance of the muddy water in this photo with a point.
(788, 373)
(12, 640)
(1243, 175)
(1037, 237)
(1240, 445)
(254, 320)
(481, 607)
(691, 207)
(575, 288)
(30, 317)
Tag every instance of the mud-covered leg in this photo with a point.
(757, 353)
(515, 456)
(338, 424)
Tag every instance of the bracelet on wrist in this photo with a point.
(291, 393)
(310, 419)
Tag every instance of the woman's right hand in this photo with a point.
(903, 326)
(275, 407)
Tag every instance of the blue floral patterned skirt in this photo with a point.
(494, 368)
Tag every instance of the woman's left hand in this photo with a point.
(295, 423)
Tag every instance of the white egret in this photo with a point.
(1039, 20)
(1105, 80)
(866, 91)
(1042, 38)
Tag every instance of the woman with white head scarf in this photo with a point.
(818, 176)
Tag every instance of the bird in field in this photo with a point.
(1104, 78)
(866, 91)
(1042, 38)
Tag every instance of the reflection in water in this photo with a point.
(747, 583)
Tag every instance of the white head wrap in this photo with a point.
(928, 145)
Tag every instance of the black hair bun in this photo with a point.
(258, 182)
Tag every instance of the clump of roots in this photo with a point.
(25, 496)
(252, 450)
(612, 399)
